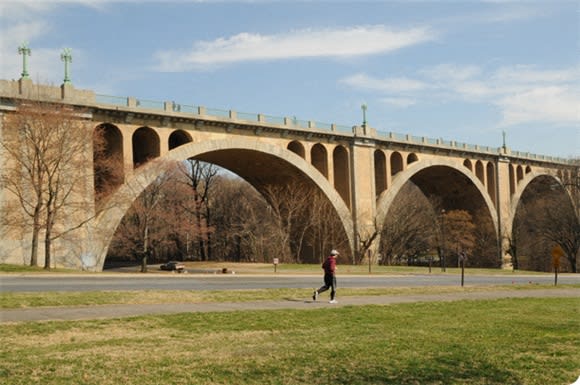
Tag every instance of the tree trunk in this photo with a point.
(35, 235)
(145, 247)
(47, 239)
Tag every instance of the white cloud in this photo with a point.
(399, 102)
(22, 32)
(12, 38)
(524, 94)
(308, 43)
(529, 74)
(451, 72)
(18, 10)
(512, 13)
(23, 9)
(44, 66)
(557, 105)
(26, 22)
(388, 85)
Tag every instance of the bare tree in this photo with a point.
(459, 233)
(47, 147)
(243, 226)
(146, 225)
(327, 231)
(546, 217)
(288, 207)
(107, 165)
(200, 177)
(408, 230)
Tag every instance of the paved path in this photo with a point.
(119, 311)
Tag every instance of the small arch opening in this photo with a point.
(412, 157)
(178, 138)
(467, 163)
(297, 148)
(396, 163)
(320, 159)
(145, 146)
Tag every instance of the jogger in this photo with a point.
(329, 267)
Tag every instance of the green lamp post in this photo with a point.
(25, 52)
(364, 111)
(66, 57)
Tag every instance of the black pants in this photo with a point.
(329, 283)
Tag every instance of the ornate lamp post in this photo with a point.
(25, 52)
(364, 111)
(503, 145)
(66, 57)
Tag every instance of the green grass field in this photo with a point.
(19, 300)
(508, 341)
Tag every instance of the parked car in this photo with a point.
(173, 266)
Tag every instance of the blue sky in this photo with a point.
(457, 70)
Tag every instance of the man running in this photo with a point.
(329, 267)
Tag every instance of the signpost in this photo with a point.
(557, 253)
(462, 258)
(276, 261)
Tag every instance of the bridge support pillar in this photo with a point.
(364, 209)
(504, 216)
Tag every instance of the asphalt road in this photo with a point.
(32, 283)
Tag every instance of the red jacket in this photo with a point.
(329, 265)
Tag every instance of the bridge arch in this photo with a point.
(107, 157)
(146, 145)
(420, 170)
(490, 181)
(545, 210)
(319, 157)
(396, 163)
(278, 158)
(178, 138)
(521, 187)
(380, 162)
(340, 161)
(479, 170)
(297, 148)
(467, 163)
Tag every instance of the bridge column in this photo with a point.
(503, 207)
(127, 131)
(330, 166)
(363, 194)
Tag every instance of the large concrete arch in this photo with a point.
(521, 187)
(117, 205)
(387, 198)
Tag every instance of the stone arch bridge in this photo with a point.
(360, 171)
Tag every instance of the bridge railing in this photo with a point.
(112, 100)
(307, 124)
(150, 104)
(279, 120)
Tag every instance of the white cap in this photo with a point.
(334, 252)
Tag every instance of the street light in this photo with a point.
(66, 57)
(24, 50)
(364, 111)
